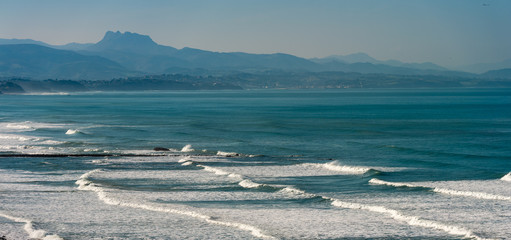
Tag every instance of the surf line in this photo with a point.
(29, 228)
(84, 183)
(479, 195)
(242, 181)
(396, 215)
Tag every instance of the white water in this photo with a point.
(410, 220)
(366, 220)
(249, 184)
(187, 148)
(227, 154)
(335, 166)
(72, 131)
(506, 177)
(479, 195)
(85, 184)
(28, 126)
(14, 138)
(29, 228)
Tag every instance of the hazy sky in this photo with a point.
(447, 32)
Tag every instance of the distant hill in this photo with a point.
(501, 73)
(129, 54)
(270, 79)
(485, 67)
(69, 46)
(73, 46)
(39, 62)
(141, 53)
(22, 41)
(364, 58)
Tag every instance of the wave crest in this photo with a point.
(228, 154)
(335, 166)
(72, 131)
(479, 195)
(410, 220)
(187, 148)
(506, 177)
(84, 183)
(29, 228)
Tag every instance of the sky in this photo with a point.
(446, 32)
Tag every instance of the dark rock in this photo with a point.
(161, 149)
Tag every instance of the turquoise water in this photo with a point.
(284, 164)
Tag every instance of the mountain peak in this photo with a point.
(126, 38)
(129, 42)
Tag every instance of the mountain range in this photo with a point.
(131, 54)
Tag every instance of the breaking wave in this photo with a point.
(410, 220)
(249, 184)
(396, 215)
(242, 181)
(72, 131)
(187, 148)
(506, 177)
(335, 166)
(228, 154)
(85, 184)
(28, 126)
(29, 228)
(479, 195)
(298, 192)
(220, 172)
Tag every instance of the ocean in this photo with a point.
(257, 164)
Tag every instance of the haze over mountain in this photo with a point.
(129, 54)
(141, 53)
(485, 67)
(364, 58)
(40, 62)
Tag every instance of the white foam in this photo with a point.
(27, 126)
(227, 154)
(479, 195)
(393, 184)
(410, 220)
(48, 93)
(185, 159)
(298, 192)
(72, 131)
(100, 162)
(187, 148)
(15, 137)
(51, 142)
(138, 152)
(213, 170)
(85, 184)
(506, 177)
(246, 183)
(249, 184)
(19, 126)
(26, 144)
(218, 171)
(29, 228)
(335, 166)
(187, 163)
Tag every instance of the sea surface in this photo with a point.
(260, 164)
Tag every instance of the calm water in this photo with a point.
(274, 164)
